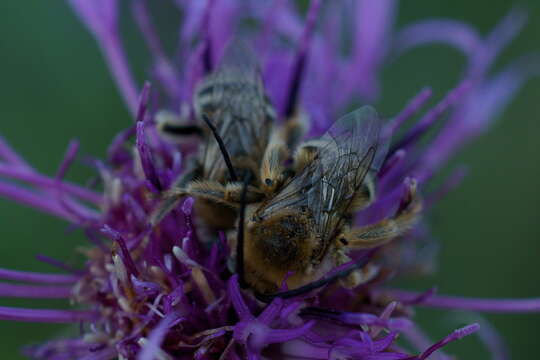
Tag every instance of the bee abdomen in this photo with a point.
(287, 242)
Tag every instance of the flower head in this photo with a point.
(168, 291)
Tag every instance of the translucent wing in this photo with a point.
(348, 151)
(353, 134)
(234, 100)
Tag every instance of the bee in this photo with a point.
(305, 229)
(240, 141)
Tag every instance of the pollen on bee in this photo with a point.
(124, 304)
(202, 283)
(167, 260)
(183, 258)
(120, 268)
(196, 273)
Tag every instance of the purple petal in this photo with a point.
(35, 291)
(271, 311)
(165, 71)
(359, 318)
(58, 264)
(100, 16)
(237, 300)
(385, 315)
(47, 183)
(408, 112)
(432, 115)
(391, 166)
(145, 155)
(143, 102)
(35, 200)
(450, 183)
(153, 347)
(367, 346)
(373, 21)
(135, 208)
(456, 335)
(416, 337)
(193, 14)
(69, 157)
(493, 341)
(223, 19)
(45, 315)
(479, 110)
(474, 304)
(105, 354)
(15, 275)
(299, 62)
(386, 356)
(454, 33)
(497, 40)
(284, 335)
(125, 254)
(301, 349)
(11, 156)
(116, 152)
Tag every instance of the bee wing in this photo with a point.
(233, 97)
(348, 151)
(291, 196)
(352, 136)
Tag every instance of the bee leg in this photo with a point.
(169, 201)
(191, 172)
(230, 194)
(384, 231)
(306, 154)
(364, 196)
(171, 198)
(357, 277)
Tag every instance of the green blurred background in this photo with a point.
(55, 86)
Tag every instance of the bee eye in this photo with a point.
(268, 182)
(344, 241)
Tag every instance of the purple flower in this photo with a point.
(166, 292)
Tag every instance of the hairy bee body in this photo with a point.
(235, 102)
(284, 247)
(240, 142)
(304, 229)
(298, 218)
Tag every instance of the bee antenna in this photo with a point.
(222, 148)
(240, 233)
(315, 284)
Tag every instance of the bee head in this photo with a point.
(270, 185)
